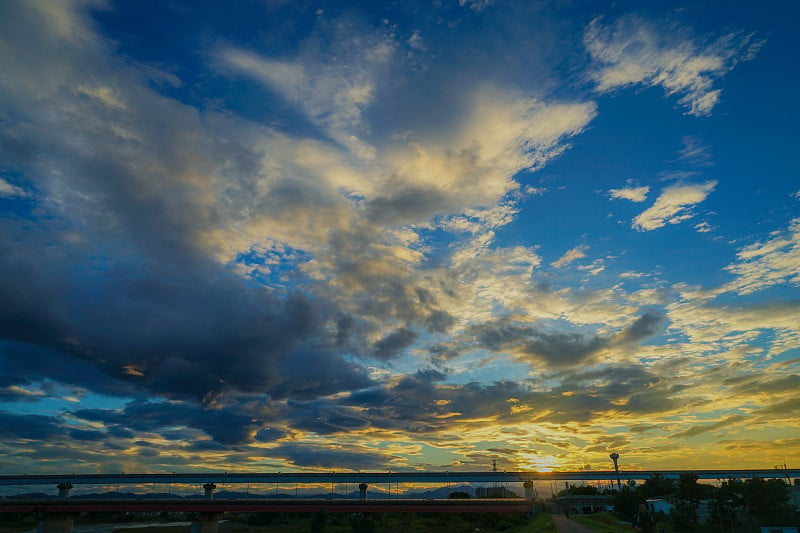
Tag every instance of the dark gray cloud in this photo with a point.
(647, 325)
(559, 349)
(347, 458)
(425, 403)
(36, 427)
(327, 418)
(758, 384)
(110, 281)
(705, 428)
(407, 206)
(563, 349)
(609, 382)
(443, 352)
(87, 435)
(35, 363)
(225, 426)
(380, 288)
(11, 390)
(659, 398)
(269, 434)
(555, 348)
(174, 335)
(785, 408)
(310, 374)
(394, 343)
(439, 321)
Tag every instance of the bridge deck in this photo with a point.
(381, 477)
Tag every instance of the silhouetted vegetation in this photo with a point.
(695, 506)
(580, 490)
(657, 485)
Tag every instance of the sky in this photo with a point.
(305, 235)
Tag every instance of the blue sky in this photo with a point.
(398, 235)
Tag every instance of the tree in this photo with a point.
(688, 488)
(684, 516)
(584, 490)
(459, 495)
(657, 485)
(767, 498)
(626, 502)
(579, 490)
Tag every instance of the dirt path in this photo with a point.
(565, 525)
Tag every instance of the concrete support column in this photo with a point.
(209, 487)
(55, 522)
(205, 522)
(63, 490)
(528, 490)
(362, 491)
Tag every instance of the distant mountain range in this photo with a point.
(433, 494)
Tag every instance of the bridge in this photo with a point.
(57, 515)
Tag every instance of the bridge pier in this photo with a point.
(205, 522)
(209, 488)
(55, 522)
(529, 494)
(63, 490)
(362, 491)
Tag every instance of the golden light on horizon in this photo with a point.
(541, 463)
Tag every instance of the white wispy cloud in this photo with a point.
(517, 131)
(695, 151)
(476, 5)
(333, 93)
(769, 263)
(9, 190)
(571, 255)
(672, 206)
(703, 227)
(634, 194)
(473, 163)
(633, 50)
(714, 327)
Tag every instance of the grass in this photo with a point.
(603, 523)
(15, 526)
(542, 523)
(165, 529)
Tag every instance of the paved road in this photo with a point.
(565, 525)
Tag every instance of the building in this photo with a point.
(656, 505)
(494, 493)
